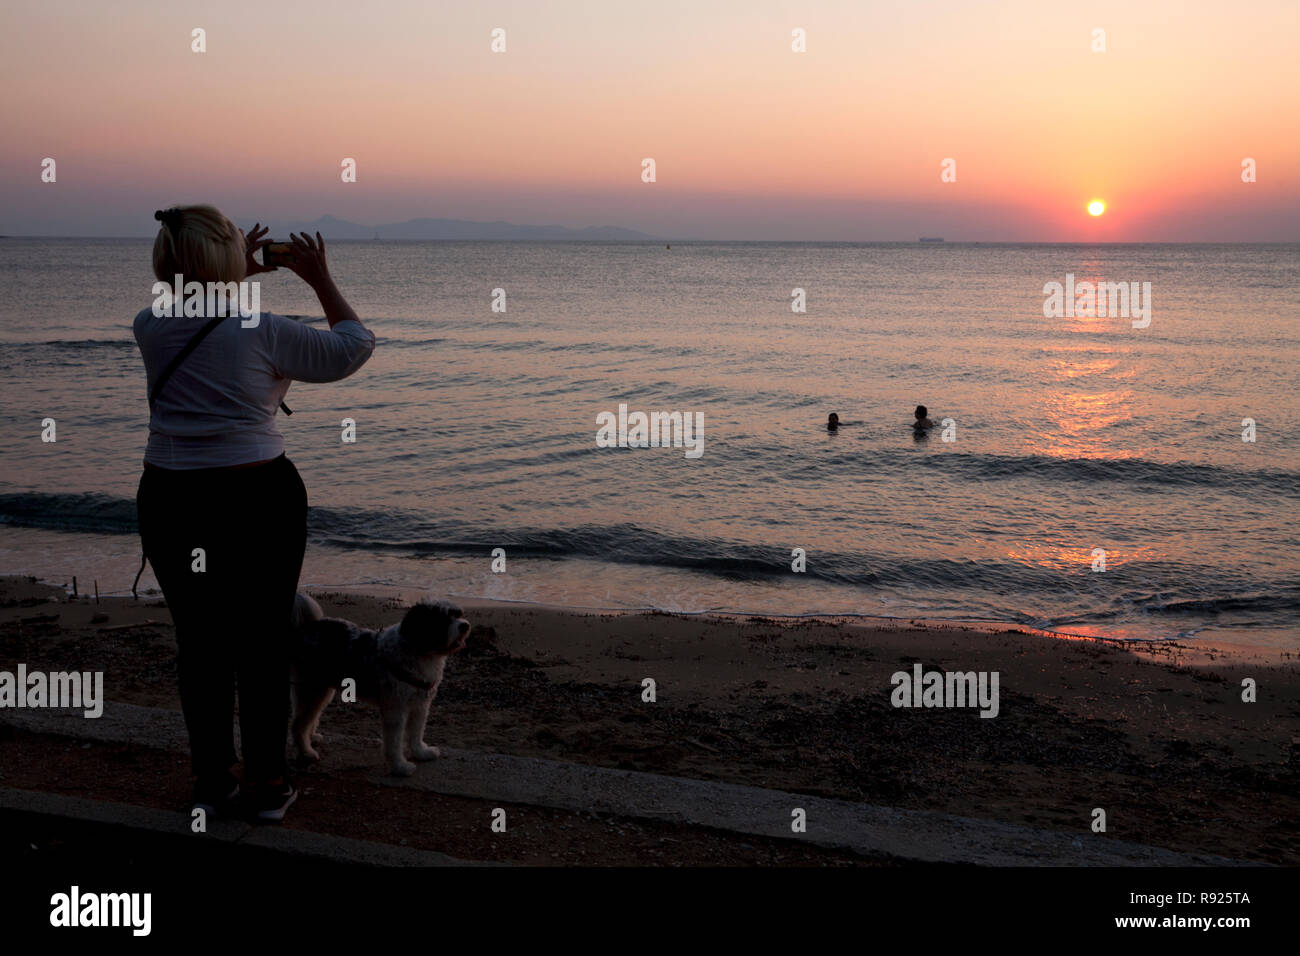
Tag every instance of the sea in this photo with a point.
(1132, 476)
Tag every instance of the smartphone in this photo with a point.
(277, 254)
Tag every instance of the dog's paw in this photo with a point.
(308, 755)
(423, 752)
(403, 769)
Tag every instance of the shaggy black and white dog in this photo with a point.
(398, 667)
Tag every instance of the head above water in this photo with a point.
(199, 243)
(833, 421)
(921, 412)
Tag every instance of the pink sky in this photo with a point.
(751, 140)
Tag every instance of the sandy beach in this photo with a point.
(1159, 739)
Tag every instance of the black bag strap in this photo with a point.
(184, 353)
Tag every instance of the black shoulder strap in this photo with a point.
(184, 353)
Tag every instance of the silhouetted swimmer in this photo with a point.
(922, 422)
(833, 422)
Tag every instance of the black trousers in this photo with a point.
(231, 613)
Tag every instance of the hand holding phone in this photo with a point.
(255, 239)
(276, 254)
(306, 259)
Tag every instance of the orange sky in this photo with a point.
(750, 139)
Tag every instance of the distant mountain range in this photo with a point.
(332, 228)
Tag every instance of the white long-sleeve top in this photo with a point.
(218, 408)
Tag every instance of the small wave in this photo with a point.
(104, 514)
(76, 344)
(1128, 471)
(1282, 599)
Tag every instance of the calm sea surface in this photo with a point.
(476, 429)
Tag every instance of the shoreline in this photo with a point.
(1155, 647)
(1180, 649)
(1193, 647)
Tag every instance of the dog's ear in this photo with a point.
(420, 623)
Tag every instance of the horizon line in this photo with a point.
(930, 241)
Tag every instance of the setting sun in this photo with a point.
(1096, 207)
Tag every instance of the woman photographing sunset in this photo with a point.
(222, 511)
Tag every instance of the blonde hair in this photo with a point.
(199, 243)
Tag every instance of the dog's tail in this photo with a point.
(305, 610)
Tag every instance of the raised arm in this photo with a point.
(309, 265)
(313, 355)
